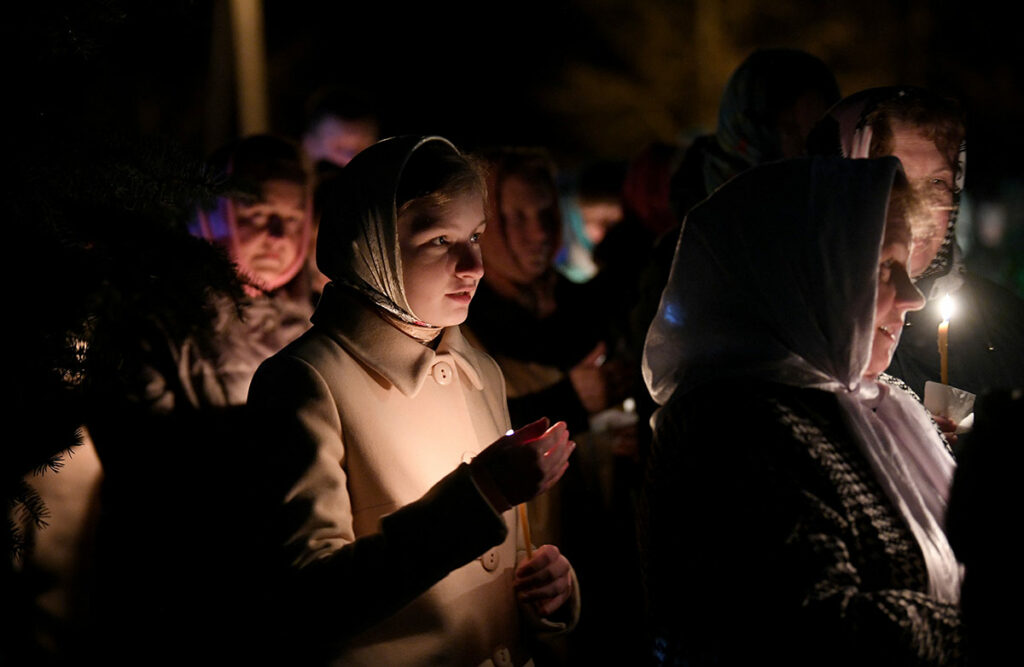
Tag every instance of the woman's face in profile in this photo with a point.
(896, 293)
(441, 260)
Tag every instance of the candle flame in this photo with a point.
(946, 307)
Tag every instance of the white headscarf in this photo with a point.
(357, 245)
(775, 279)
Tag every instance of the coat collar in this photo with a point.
(393, 355)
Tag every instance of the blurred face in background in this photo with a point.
(529, 213)
(796, 122)
(270, 230)
(339, 140)
(930, 172)
(600, 216)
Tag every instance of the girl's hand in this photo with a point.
(545, 581)
(524, 464)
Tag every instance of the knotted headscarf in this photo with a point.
(358, 246)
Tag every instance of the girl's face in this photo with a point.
(896, 294)
(441, 260)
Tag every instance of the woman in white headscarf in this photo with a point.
(795, 503)
(386, 431)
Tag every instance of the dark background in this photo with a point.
(589, 79)
(585, 77)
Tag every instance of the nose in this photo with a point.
(469, 263)
(908, 297)
(275, 226)
(535, 230)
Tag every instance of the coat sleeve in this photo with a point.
(325, 577)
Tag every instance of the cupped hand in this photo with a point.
(527, 462)
(545, 581)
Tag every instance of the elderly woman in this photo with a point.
(926, 132)
(178, 422)
(795, 502)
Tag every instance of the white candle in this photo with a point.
(946, 307)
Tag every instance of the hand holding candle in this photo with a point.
(544, 581)
(525, 464)
(947, 310)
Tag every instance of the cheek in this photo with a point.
(423, 278)
(514, 235)
(884, 302)
(924, 251)
(248, 243)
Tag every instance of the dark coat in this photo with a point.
(769, 539)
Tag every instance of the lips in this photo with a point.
(462, 296)
(892, 332)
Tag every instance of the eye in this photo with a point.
(254, 216)
(475, 238)
(440, 241)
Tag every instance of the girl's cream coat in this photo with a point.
(378, 420)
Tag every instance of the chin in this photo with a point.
(447, 319)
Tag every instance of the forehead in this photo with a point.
(463, 213)
(918, 153)
(518, 190)
(280, 192)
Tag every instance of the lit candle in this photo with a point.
(946, 307)
(525, 521)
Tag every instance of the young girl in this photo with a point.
(386, 432)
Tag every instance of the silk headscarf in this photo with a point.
(845, 131)
(357, 246)
(775, 279)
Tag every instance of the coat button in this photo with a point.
(502, 657)
(490, 560)
(442, 373)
